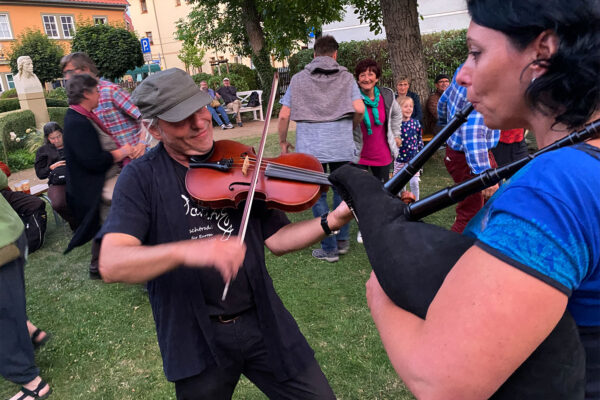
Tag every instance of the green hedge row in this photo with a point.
(57, 114)
(240, 76)
(12, 104)
(443, 52)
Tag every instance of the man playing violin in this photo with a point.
(185, 254)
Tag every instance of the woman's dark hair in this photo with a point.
(367, 64)
(570, 88)
(49, 128)
(77, 85)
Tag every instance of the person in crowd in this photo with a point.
(511, 146)
(50, 164)
(120, 116)
(441, 82)
(467, 151)
(536, 254)
(206, 340)
(17, 362)
(229, 95)
(324, 128)
(216, 108)
(381, 123)
(92, 157)
(402, 87)
(409, 142)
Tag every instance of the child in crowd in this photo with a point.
(410, 141)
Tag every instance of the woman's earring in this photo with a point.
(533, 80)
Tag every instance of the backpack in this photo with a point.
(58, 176)
(35, 229)
(253, 100)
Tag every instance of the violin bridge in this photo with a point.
(246, 165)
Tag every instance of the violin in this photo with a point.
(221, 179)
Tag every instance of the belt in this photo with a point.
(228, 318)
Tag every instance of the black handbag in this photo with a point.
(58, 176)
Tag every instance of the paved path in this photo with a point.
(250, 128)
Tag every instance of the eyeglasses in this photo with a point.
(68, 72)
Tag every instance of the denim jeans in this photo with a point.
(215, 115)
(321, 207)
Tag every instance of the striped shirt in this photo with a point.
(118, 113)
(472, 138)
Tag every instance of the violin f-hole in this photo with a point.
(232, 184)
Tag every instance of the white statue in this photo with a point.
(25, 80)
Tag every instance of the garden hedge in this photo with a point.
(13, 104)
(57, 114)
(18, 122)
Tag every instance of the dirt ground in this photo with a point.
(250, 128)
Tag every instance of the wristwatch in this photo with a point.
(325, 226)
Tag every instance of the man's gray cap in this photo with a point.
(171, 95)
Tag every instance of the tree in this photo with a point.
(44, 52)
(191, 56)
(401, 21)
(113, 49)
(257, 28)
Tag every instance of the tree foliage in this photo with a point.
(191, 55)
(44, 52)
(257, 28)
(113, 49)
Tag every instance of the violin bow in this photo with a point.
(256, 172)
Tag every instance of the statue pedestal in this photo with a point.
(36, 102)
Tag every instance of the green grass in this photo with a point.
(104, 342)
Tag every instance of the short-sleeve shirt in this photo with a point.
(327, 141)
(150, 204)
(118, 113)
(545, 221)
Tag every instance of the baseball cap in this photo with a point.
(171, 95)
(225, 79)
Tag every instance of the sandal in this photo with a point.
(36, 392)
(39, 343)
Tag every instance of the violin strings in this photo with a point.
(285, 167)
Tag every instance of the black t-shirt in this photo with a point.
(228, 93)
(204, 223)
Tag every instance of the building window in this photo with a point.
(144, 7)
(68, 27)
(99, 20)
(10, 81)
(50, 26)
(5, 32)
(149, 36)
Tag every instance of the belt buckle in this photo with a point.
(227, 321)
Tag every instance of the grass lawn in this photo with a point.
(104, 344)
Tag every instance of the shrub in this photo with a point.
(56, 103)
(202, 76)
(250, 75)
(18, 122)
(444, 52)
(9, 94)
(60, 93)
(9, 105)
(57, 114)
(299, 60)
(20, 159)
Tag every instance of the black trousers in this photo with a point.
(382, 173)
(243, 343)
(17, 363)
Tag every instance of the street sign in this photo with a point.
(145, 45)
(147, 57)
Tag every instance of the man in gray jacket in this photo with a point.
(325, 102)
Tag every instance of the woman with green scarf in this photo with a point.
(381, 123)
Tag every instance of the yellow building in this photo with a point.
(56, 18)
(156, 20)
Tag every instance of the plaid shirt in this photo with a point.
(118, 113)
(472, 138)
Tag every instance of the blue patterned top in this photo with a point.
(411, 134)
(545, 221)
